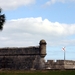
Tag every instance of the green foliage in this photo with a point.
(2, 20)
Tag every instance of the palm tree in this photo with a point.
(2, 19)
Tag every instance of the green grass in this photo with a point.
(45, 72)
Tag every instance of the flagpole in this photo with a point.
(64, 52)
(64, 55)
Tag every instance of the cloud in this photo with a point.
(50, 2)
(29, 31)
(13, 4)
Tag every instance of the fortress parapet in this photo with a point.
(60, 64)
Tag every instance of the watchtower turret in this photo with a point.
(42, 48)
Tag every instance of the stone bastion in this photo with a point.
(23, 58)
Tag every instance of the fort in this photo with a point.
(31, 58)
(26, 58)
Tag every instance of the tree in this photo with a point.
(2, 19)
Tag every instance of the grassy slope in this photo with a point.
(69, 72)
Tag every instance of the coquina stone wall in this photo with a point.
(60, 64)
(23, 58)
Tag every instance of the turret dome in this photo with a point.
(42, 41)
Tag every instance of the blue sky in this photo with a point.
(29, 21)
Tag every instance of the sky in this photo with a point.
(29, 21)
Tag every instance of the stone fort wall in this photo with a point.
(60, 64)
(23, 58)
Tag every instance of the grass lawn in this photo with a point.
(44, 72)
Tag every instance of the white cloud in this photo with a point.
(13, 4)
(50, 2)
(29, 31)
